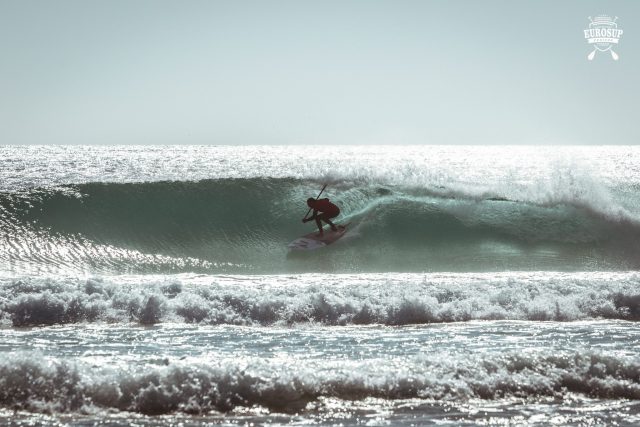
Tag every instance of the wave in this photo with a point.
(40, 384)
(244, 225)
(390, 299)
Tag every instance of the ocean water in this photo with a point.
(478, 285)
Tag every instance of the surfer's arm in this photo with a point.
(312, 217)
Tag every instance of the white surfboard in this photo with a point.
(312, 241)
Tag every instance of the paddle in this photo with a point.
(614, 55)
(305, 216)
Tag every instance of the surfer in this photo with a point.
(323, 210)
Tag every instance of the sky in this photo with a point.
(315, 72)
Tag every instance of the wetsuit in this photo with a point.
(328, 209)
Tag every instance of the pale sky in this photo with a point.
(315, 72)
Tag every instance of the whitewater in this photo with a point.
(479, 285)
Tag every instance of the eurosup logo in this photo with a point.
(603, 33)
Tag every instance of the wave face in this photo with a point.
(243, 226)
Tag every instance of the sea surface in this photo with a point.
(477, 285)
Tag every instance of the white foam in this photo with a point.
(41, 384)
(393, 299)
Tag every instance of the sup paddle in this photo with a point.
(305, 217)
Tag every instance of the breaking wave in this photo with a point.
(244, 225)
(195, 387)
(391, 299)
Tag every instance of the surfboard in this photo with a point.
(312, 241)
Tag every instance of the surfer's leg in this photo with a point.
(326, 218)
(333, 226)
(319, 224)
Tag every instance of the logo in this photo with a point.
(603, 34)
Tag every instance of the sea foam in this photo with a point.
(34, 383)
(391, 299)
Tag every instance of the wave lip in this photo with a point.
(37, 385)
(388, 299)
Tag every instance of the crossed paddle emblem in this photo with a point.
(603, 34)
